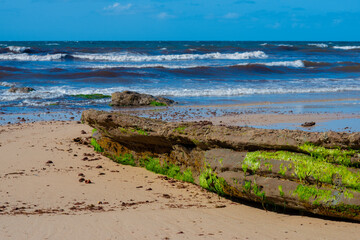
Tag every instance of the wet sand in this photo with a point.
(42, 198)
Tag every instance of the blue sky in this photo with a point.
(314, 20)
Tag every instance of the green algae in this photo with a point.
(307, 193)
(281, 192)
(96, 146)
(125, 159)
(250, 186)
(168, 169)
(335, 155)
(306, 166)
(180, 129)
(157, 104)
(210, 181)
(138, 130)
(91, 96)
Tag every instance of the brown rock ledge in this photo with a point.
(219, 159)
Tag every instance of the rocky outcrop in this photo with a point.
(129, 98)
(314, 172)
(21, 89)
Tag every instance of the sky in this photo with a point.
(277, 20)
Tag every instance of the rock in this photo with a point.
(129, 98)
(308, 124)
(21, 89)
(243, 162)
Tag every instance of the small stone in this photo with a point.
(83, 132)
(99, 166)
(81, 179)
(49, 162)
(81, 175)
(308, 124)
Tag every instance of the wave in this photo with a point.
(52, 44)
(18, 49)
(28, 57)
(7, 84)
(296, 64)
(48, 94)
(319, 45)
(346, 47)
(113, 57)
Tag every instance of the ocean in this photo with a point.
(192, 73)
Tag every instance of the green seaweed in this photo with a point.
(210, 181)
(305, 193)
(96, 146)
(157, 104)
(93, 130)
(305, 166)
(335, 155)
(91, 96)
(168, 169)
(125, 159)
(180, 129)
(282, 194)
(140, 131)
(250, 186)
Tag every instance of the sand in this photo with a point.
(44, 200)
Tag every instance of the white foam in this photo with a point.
(319, 45)
(52, 44)
(155, 65)
(7, 84)
(18, 49)
(296, 64)
(45, 96)
(28, 57)
(116, 57)
(346, 47)
(284, 45)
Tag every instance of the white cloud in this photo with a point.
(164, 15)
(231, 15)
(117, 7)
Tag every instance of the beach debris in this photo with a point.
(88, 181)
(81, 175)
(308, 124)
(81, 179)
(316, 172)
(99, 166)
(49, 162)
(21, 89)
(83, 132)
(129, 98)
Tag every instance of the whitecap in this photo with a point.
(28, 57)
(18, 49)
(346, 47)
(319, 45)
(115, 57)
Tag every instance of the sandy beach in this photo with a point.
(42, 198)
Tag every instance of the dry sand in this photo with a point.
(40, 200)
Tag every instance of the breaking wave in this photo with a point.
(346, 47)
(319, 45)
(28, 57)
(114, 57)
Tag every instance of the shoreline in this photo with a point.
(333, 114)
(126, 202)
